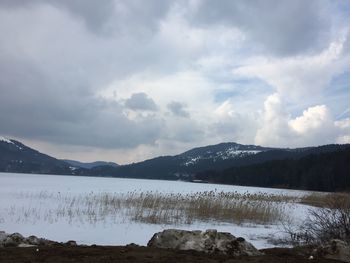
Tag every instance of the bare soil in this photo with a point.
(133, 253)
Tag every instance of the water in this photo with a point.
(11, 182)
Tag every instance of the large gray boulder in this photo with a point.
(335, 249)
(13, 240)
(209, 241)
(17, 240)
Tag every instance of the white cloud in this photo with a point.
(314, 118)
(344, 130)
(233, 124)
(343, 124)
(343, 139)
(316, 126)
(274, 124)
(299, 76)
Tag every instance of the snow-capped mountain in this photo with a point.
(220, 152)
(214, 157)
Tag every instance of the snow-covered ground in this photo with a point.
(26, 202)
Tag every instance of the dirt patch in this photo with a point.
(105, 254)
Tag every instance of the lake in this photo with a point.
(51, 206)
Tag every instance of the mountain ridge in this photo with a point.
(89, 165)
(16, 157)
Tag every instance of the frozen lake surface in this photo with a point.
(26, 201)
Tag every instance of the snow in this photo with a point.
(230, 153)
(233, 152)
(192, 161)
(14, 202)
(3, 139)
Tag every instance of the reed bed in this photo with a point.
(153, 207)
(323, 200)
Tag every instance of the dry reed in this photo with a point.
(155, 207)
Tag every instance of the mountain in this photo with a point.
(18, 158)
(214, 157)
(78, 164)
(184, 165)
(220, 152)
(229, 163)
(321, 171)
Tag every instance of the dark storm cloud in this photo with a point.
(107, 16)
(32, 106)
(93, 13)
(282, 27)
(140, 101)
(178, 109)
(51, 70)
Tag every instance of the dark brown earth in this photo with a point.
(105, 254)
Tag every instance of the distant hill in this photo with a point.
(18, 158)
(78, 164)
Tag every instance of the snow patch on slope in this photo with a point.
(3, 139)
(229, 153)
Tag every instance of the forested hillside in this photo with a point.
(322, 172)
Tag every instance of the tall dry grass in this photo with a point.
(154, 207)
(323, 200)
(328, 218)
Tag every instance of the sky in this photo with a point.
(125, 81)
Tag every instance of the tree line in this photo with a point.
(319, 172)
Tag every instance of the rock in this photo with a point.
(33, 240)
(132, 245)
(36, 241)
(13, 240)
(335, 249)
(17, 240)
(71, 243)
(209, 241)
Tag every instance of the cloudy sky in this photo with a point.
(128, 80)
